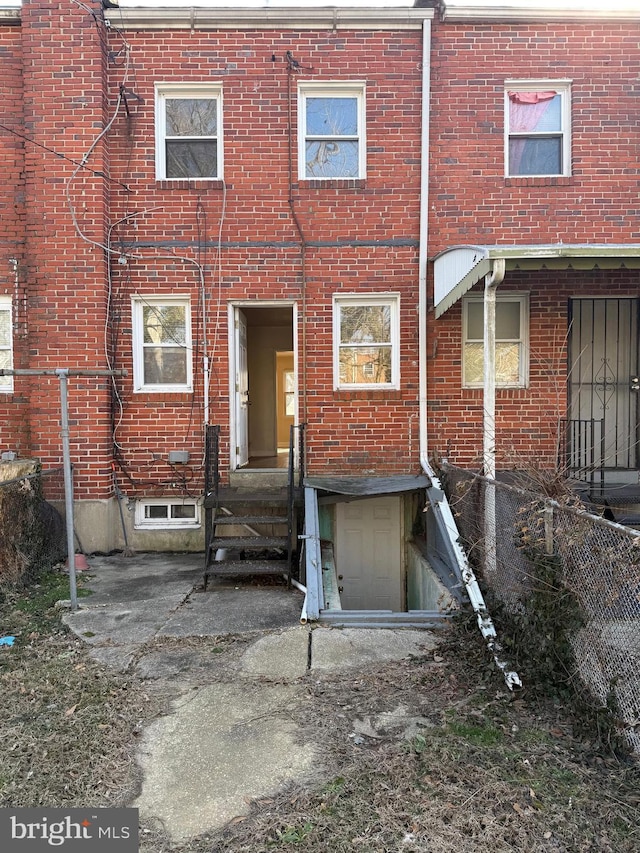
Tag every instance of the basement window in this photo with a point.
(6, 344)
(188, 132)
(162, 344)
(167, 514)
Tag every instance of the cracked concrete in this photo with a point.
(230, 736)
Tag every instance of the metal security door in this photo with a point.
(603, 384)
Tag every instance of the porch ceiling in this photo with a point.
(457, 269)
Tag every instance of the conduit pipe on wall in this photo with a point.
(439, 504)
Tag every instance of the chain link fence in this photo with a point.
(31, 528)
(506, 529)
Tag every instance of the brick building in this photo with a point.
(285, 215)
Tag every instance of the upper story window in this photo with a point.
(512, 338)
(366, 341)
(188, 132)
(162, 344)
(331, 131)
(6, 344)
(538, 128)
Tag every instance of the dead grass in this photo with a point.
(69, 726)
(429, 755)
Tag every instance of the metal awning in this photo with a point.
(364, 486)
(457, 269)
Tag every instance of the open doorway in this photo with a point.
(264, 382)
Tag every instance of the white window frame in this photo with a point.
(143, 522)
(332, 89)
(137, 305)
(522, 299)
(6, 382)
(186, 90)
(562, 88)
(349, 299)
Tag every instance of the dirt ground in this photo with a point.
(426, 755)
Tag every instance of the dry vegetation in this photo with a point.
(429, 754)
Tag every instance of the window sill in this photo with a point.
(538, 181)
(166, 396)
(190, 184)
(361, 394)
(332, 183)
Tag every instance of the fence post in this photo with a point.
(548, 530)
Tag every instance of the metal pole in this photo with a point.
(63, 375)
(68, 486)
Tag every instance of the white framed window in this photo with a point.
(6, 344)
(162, 356)
(512, 341)
(331, 131)
(537, 128)
(366, 341)
(188, 132)
(167, 513)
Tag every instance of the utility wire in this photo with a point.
(64, 157)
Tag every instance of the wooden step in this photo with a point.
(229, 496)
(247, 567)
(279, 542)
(250, 519)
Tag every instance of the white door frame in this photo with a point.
(232, 309)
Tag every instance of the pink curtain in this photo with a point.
(525, 111)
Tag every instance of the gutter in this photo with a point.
(437, 499)
(194, 17)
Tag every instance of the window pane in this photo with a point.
(5, 363)
(365, 324)
(536, 156)
(508, 320)
(365, 365)
(507, 364)
(164, 324)
(165, 366)
(153, 511)
(191, 117)
(5, 329)
(475, 321)
(544, 116)
(332, 116)
(289, 405)
(473, 364)
(332, 159)
(191, 159)
(183, 511)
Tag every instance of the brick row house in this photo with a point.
(319, 218)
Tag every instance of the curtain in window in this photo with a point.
(526, 114)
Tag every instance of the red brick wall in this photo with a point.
(261, 256)
(64, 110)
(13, 425)
(473, 203)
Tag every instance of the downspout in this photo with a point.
(438, 502)
(491, 283)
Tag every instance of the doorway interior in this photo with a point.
(264, 379)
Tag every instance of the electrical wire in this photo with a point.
(79, 163)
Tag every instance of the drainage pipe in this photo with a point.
(491, 283)
(439, 504)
